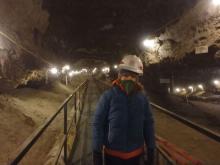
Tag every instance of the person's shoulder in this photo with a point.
(143, 95)
(108, 92)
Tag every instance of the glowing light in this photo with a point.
(149, 43)
(216, 2)
(65, 68)
(115, 66)
(200, 86)
(216, 82)
(191, 88)
(94, 70)
(177, 90)
(77, 72)
(74, 72)
(71, 74)
(184, 89)
(54, 70)
(106, 70)
(84, 70)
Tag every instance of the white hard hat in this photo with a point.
(131, 63)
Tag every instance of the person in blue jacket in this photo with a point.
(123, 126)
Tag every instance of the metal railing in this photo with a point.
(205, 131)
(162, 158)
(76, 99)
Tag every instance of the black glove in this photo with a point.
(97, 158)
(150, 157)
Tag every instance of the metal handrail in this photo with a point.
(31, 140)
(160, 154)
(66, 136)
(205, 131)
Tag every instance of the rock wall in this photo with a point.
(22, 24)
(200, 26)
(23, 20)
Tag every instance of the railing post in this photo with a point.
(65, 133)
(157, 156)
(75, 107)
(79, 99)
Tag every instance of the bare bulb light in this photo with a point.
(200, 86)
(65, 68)
(191, 88)
(216, 82)
(216, 2)
(177, 90)
(54, 70)
(149, 43)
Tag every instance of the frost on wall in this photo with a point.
(200, 26)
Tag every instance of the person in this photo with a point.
(123, 123)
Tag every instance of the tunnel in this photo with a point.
(115, 82)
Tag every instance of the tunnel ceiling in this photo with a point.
(106, 29)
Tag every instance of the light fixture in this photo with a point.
(84, 70)
(149, 43)
(54, 70)
(200, 86)
(177, 90)
(94, 70)
(191, 88)
(106, 70)
(65, 68)
(71, 74)
(216, 82)
(216, 2)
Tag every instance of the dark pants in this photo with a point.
(110, 160)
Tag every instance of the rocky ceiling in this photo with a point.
(106, 29)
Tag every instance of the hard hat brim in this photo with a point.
(125, 67)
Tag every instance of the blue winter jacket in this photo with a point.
(123, 122)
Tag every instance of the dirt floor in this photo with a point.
(22, 111)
